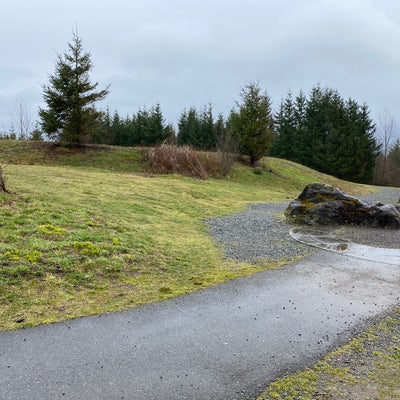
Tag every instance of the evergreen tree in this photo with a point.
(313, 137)
(220, 131)
(189, 128)
(197, 129)
(156, 132)
(300, 115)
(285, 128)
(252, 123)
(119, 130)
(170, 134)
(36, 135)
(71, 116)
(103, 134)
(207, 139)
(139, 128)
(365, 148)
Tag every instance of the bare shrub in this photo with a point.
(3, 187)
(228, 148)
(170, 159)
(211, 163)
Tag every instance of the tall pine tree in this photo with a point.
(252, 123)
(70, 115)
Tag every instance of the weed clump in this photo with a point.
(87, 248)
(50, 230)
(170, 159)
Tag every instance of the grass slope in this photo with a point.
(85, 232)
(118, 159)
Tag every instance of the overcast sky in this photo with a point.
(183, 53)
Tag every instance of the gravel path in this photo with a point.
(261, 232)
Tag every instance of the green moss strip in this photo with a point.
(368, 367)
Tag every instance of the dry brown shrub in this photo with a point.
(170, 159)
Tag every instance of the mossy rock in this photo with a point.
(323, 204)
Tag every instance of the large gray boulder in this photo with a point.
(323, 204)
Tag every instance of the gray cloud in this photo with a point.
(182, 53)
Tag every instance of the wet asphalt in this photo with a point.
(224, 342)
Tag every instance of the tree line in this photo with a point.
(321, 130)
(147, 127)
(248, 130)
(327, 133)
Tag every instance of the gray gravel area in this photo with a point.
(383, 195)
(261, 232)
(258, 233)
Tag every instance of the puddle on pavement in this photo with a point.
(328, 239)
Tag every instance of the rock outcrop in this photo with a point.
(326, 205)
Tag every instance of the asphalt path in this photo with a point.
(224, 342)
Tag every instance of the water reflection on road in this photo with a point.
(328, 239)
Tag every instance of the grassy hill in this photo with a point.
(88, 231)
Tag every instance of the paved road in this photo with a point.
(225, 342)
